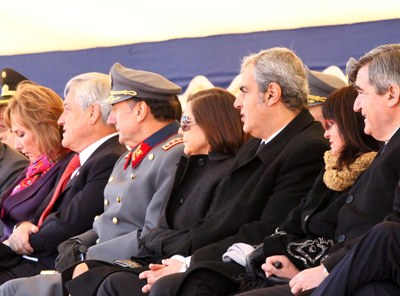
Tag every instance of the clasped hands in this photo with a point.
(19, 239)
(300, 280)
(157, 271)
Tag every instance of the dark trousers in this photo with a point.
(203, 282)
(372, 267)
(281, 290)
(166, 286)
(25, 268)
(121, 284)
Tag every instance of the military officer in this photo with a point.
(144, 108)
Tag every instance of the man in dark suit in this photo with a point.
(86, 133)
(270, 174)
(375, 196)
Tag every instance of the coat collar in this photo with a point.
(276, 145)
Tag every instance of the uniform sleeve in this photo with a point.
(125, 246)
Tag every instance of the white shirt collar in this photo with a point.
(88, 151)
(392, 135)
(271, 137)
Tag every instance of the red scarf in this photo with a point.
(33, 173)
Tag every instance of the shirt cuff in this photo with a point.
(184, 260)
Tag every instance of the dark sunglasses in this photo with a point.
(186, 123)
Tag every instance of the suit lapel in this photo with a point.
(277, 144)
(99, 150)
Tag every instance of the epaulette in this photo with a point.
(172, 143)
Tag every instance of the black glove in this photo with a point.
(69, 252)
(254, 271)
(254, 260)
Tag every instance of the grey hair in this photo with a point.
(284, 67)
(91, 88)
(384, 67)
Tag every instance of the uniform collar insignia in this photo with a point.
(135, 156)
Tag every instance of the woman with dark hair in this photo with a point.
(32, 115)
(212, 134)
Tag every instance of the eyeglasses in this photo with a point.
(186, 123)
(328, 124)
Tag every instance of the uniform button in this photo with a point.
(106, 202)
(151, 156)
(306, 217)
(115, 220)
(118, 199)
(181, 200)
(133, 176)
(341, 238)
(349, 199)
(96, 217)
(110, 179)
(201, 162)
(97, 241)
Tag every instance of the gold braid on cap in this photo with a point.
(115, 95)
(5, 91)
(313, 99)
(124, 93)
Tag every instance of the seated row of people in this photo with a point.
(212, 207)
(133, 115)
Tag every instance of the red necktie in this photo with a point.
(66, 176)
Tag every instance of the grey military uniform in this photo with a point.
(132, 203)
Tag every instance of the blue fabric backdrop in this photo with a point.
(216, 57)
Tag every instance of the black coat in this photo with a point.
(195, 194)
(373, 198)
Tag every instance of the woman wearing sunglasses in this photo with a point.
(212, 134)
